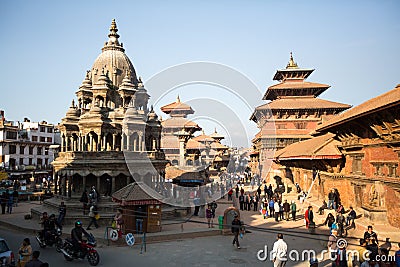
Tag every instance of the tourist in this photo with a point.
(84, 200)
(10, 203)
(62, 211)
(24, 252)
(208, 215)
(286, 209)
(279, 252)
(242, 190)
(387, 245)
(15, 196)
(236, 227)
(237, 191)
(214, 206)
(34, 262)
(265, 190)
(247, 202)
(280, 210)
(241, 202)
(293, 208)
(277, 208)
(3, 202)
(352, 215)
(370, 235)
(92, 216)
(306, 218)
(321, 209)
(259, 191)
(230, 193)
(331, 199)
(255, 202)
(271, 205)
(311, 222)
(330, 219)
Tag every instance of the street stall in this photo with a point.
(141, 212)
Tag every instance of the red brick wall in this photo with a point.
(393, 206)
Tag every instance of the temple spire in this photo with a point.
(113, 42)
(178, 100)
(291, 64)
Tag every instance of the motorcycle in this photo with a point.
(54, 238)
(87, 250)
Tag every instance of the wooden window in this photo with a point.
(357, 165)
(22, 150)
(12, 149)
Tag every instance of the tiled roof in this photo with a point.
(380, 102)
(179, 122)
(177, 106)
(204, 138)
(130, 193)
(217, 145)
(193, 144)
(298, 85)
(303, 103)
(170, 141)
(320, 147)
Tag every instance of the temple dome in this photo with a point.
(113, 60)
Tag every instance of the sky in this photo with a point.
(47, 46)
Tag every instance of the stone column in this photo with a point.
(90, 142)
(112, 184)
(113, 144)
(62, 143)
(140, 143)
(98, 184)
(83, 183)
(66, 144)
(55, 182)
(104, 145)
(134, 144)
(79, 143)
(64, 185)
(69, 186)
(123, 141)
(154, 147)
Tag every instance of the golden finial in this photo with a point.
(291, 64)
(178, 100)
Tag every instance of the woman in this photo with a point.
(93, 220)
(330, 219)
(24, 252)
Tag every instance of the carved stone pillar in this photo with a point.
(83, 183)
(123, 141)
(140, 143)
(112, 184)
(113, 144)
(104, 144)
(90, 142)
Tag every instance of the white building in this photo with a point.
(25, 147)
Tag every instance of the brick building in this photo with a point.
(357, 153)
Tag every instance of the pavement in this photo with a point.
(193, 227)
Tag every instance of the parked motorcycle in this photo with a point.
(87, 250)
(54, 238)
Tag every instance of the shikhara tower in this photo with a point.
(111, 117)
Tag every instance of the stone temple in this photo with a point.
(109, 125)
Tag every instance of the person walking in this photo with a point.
(293, 208)
(256, 198)
(34, 262)
(214, 207)
(208, 215)
(241, 202)
(279, 252)
(3, 202)
(24, 252)
(280, 210)
(237, 191)
(236, 226)
(92, 215)
(119, 221)
(10, 203)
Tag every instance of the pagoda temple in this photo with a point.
(176, 131)
(292, 113)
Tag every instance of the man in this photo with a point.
(286, 209)
(279, 252)
(76, 235)
(277, 208)
(352, 215)
(331, 199)
(271, 205)
(236, 225)
(237, 191)
(34, 262)
(241, 202)
(293, 208)
(214, 206)
(369, 235)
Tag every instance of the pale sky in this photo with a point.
(47, 46)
